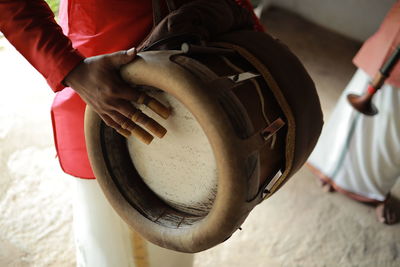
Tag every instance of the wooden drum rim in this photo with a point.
(231, 205)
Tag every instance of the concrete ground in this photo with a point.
(299, 226)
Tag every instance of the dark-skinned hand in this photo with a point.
(97, 80)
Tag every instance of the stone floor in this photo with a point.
(299, 226)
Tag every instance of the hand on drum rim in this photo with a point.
(98, 82)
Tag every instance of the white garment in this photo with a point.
(103, 240)
(359, 153)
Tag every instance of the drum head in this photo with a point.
(179, 168)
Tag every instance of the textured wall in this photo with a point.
(357, 19)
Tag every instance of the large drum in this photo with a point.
(230, 143)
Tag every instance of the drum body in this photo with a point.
(226, 144)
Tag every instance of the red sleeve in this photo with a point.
(29, 25)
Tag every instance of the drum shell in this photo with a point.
(242, 157)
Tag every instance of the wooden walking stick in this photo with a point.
(363, 103)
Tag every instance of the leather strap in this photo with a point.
(171, 5)
(158, 12)
(161, 8)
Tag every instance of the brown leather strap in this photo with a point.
(161, 8)
(171, 5)
(272, 128)
(175, 4)
(157, 12)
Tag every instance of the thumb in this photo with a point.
(122, 57)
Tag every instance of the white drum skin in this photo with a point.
(180, 168)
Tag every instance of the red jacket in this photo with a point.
(89, 28)
(381, 45)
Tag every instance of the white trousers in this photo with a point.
(104, 240)
(359, 153)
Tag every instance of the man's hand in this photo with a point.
(97, 80)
